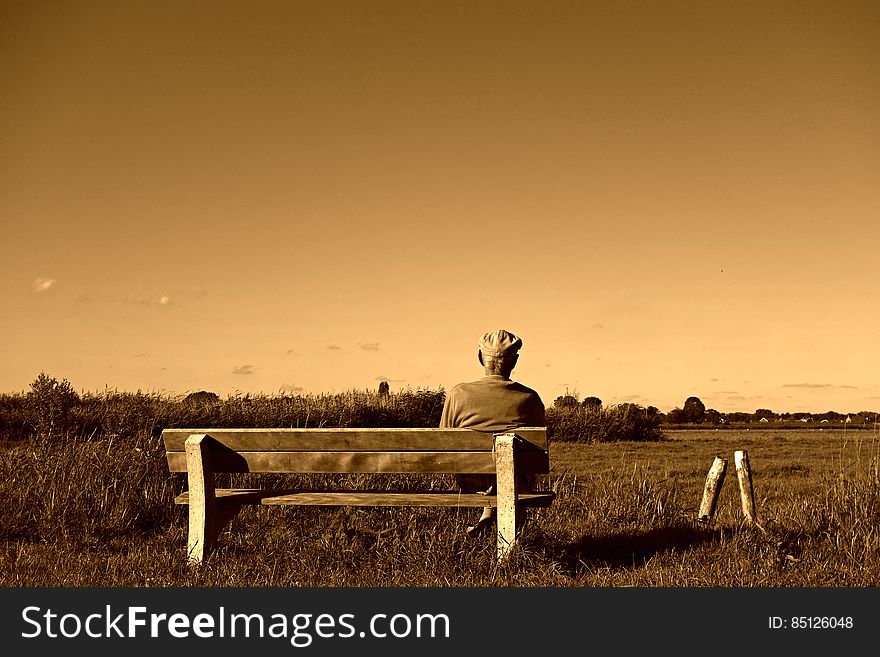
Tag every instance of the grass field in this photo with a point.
(100, 513)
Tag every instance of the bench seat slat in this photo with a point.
(329, 440)
(274, 497)
(360, 462)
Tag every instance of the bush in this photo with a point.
(48, 405)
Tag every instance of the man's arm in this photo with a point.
(447, 417)
(536, 413)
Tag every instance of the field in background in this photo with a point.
(99, 512)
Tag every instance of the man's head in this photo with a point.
(499, 351)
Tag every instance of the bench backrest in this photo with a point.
(357, 450)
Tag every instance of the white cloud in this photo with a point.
(43, 284)
(164, 301)
(243, 369)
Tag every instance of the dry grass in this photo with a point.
(100, 513)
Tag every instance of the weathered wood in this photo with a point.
(506, 494)
(712, 490)
(202, 453)
(206, 518)
(360, 462)
(366, 498)
(349, 440)
(746, 492)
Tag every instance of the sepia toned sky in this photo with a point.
(664, 199)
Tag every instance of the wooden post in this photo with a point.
(746, 493)
(206, 517)
(712, 490)
(505, 473)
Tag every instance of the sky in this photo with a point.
(663, 199)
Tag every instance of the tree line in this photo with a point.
(694, 411)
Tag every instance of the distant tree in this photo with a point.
(866, 417)
(384, 388)
(565, 401)
(764, 413)
(592, 403)
(676, 416)
(694, 409)
(712, 416)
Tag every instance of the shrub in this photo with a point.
(565, 401)
(48, 405)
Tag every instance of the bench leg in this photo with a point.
(206, 521)
(206, 517)
(509, 518)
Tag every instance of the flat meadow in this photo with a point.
(94, 508)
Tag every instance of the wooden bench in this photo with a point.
(203, 452)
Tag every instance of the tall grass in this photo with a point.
(113, 414)
(79, 492)
(603, 424)
(100, 512)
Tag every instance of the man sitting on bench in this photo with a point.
(494, 404)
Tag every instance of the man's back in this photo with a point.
(493, 403)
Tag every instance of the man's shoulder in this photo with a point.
(489, 383)
(460, 392)
(468, 385)
(519, 387)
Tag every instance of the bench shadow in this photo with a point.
(628, 550)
